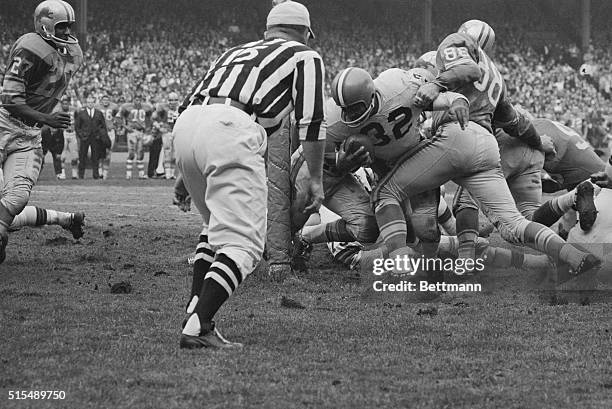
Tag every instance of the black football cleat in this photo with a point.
(208, 338)
(77, 221)
(301, 253)
(585, 206)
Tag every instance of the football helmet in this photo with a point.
(48, 14)
(353, 90)
(427, 61)
(480, 32)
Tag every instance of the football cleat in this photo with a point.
(208, 338)
(77, 221)
(3, 243)
(585, 206)
(301, 253)
(588, 263)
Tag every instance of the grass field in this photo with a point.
(62, 329)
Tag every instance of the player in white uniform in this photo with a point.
(163, 121)
(70, 154)
(110, 111)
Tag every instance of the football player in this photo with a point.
(110, 111)
(469, 157)
(384, 111)
(136, 118)
(345, 195)
(53, 141)
(465, 67)
(38, 72)
(163, 121)
(70, 153)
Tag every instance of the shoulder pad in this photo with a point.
(35, 44)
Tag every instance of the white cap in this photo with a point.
(289, 12)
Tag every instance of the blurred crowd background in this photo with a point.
(157, 46)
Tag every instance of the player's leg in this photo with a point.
(83, 150)
(56, 148)
(526, 185)
(132, 141)
(65, 156)
(140, 155)
(20, 171)
(434, 163)
(490, 189)
(34, 216)
(467, 224)
(168, 149)
(73, 149)
(445, 216)
(107, 160)
(580, 199)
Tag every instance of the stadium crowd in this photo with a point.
(137, 47)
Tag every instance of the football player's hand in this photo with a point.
(601, 179)
(316, 196)
(460, 111)
(426, 94)
(183, 202)
(58, 120)
(349, 161)
(548, 147)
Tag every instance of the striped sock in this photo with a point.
(203, 259)
(392, 225)
(545, 240)
(337, 231)
(221, 281)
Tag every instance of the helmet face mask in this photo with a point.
(353, 90)
(53, 20)
(353, 115)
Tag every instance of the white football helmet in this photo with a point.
(480, 32)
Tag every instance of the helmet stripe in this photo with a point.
(485, 41)
(340, 85)
(482, 31)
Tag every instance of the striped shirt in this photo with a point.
(272, 78)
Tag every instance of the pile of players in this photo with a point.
(448, 119)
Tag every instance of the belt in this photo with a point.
(221, 100)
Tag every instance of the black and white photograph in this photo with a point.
(306, 204)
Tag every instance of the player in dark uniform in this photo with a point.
(53, 141)
(39, 69)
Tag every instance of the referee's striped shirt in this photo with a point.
(272, 78)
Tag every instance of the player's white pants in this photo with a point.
(220, 153)
(71, 148)
(20, 161)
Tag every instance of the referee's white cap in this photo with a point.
(289, 12)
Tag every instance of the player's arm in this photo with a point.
(456, 104)
(20, 72)
(458, 59)
(309, 115)
(517, 125)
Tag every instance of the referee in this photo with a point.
(220, 144)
